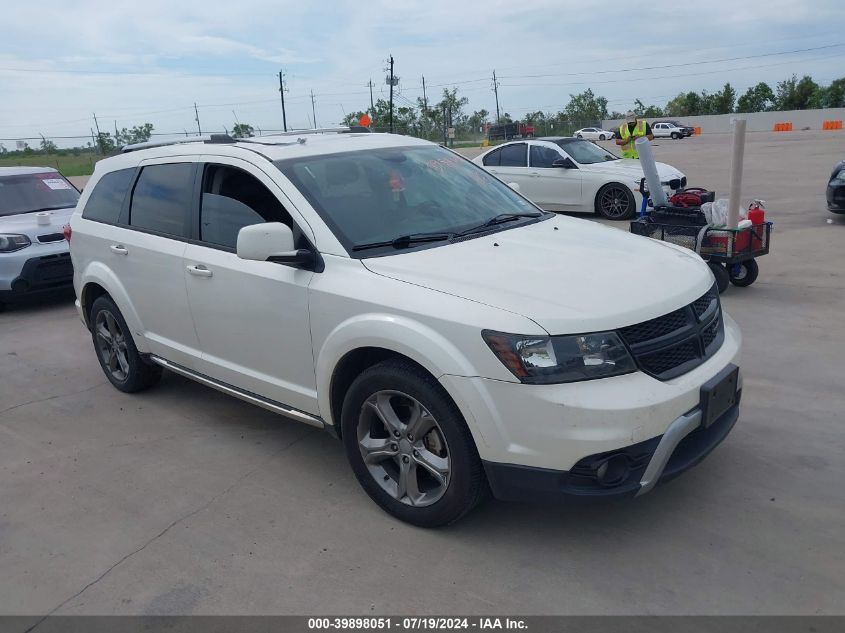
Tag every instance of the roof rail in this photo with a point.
(225, 138)
(205, 138)
(324, 130)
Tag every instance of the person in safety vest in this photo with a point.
(630, 130)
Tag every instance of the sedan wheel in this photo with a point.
(602, 137)
(580, 136)
(615, 202)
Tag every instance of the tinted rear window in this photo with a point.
(106, 200)
(28, 193)
(514, 155)
(161, 200)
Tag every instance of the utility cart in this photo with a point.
(731, 253)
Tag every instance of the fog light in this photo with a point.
(612, 471)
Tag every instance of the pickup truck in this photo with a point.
(686, 130)
(667, 130)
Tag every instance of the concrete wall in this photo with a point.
(757, 121)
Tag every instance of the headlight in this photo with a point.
(10, 243)
(543, 360)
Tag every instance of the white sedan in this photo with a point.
(593, 134)
(570, 174)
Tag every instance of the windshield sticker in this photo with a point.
(55, 183)
(440, 164)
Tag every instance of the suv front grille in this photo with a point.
(676, 343)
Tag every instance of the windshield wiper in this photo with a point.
(404, 241)
(499, 219)
(64, 206)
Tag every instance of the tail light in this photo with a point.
(68, 232)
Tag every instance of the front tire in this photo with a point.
(744, 273)
(579, 136)
(116, 351)
(409, 446)
(615, 201)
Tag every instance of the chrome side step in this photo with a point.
(246, 396)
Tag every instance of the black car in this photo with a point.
(836, 189)
(687, 130)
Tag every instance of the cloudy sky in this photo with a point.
(133, 62)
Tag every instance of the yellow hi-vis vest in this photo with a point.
(628, 149)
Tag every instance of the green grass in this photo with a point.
(68, 165)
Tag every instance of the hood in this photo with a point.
(27, 223)
(631, 167)
(568, 275)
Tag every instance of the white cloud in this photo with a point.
(229, 53)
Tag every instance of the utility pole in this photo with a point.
(99, 138)
(313, 111)
(391, 94)
(423, 120)
(197, 118)
(445, 130)
(282, 90)
(236, 117)
(372, 107)
(93, 140)
(115, 133)
(496, 92)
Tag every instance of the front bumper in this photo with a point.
(836, 198)
(35, 269)
(556, 427)
(654, 461)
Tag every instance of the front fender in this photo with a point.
(98, 273)
(422, 344)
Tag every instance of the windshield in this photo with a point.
(380, 195)
(586, 153)
(26, 193)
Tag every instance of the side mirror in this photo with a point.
(259, 242)
(564, 163)
(514, 186)
(272, 242)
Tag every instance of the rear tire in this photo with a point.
(422, 465)
(744, 273)
(675, 136)
(723, 279)
(615, 201)
(602, 137)
(116, 351)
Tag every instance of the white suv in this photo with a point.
(454, 336)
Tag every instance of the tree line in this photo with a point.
(429, 120)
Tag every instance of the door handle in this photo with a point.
(199, 270)
(120, 249)
(534, 174)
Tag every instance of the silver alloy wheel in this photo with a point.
(739, 272)
(111, 345)
(614, 202)
(404, 448)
